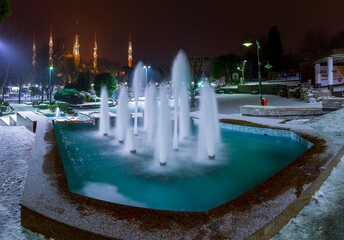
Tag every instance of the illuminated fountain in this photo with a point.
(122, 119)
(57, 112)
(143, 168)
(104, 112)
(181, 80)
(163, 141)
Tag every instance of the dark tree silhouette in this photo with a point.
(107, 80)
(224, 66)
(5, 9)
(314, 43)
(274, 49)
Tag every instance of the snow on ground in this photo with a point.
(15, 148)
(323, 218)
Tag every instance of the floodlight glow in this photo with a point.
(51, 68)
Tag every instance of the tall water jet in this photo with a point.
(104, 124)
(184, 113)
(163, 140)
(57, 112)
(150, 111)
(122, 120)
(181, 79)
(139, 75)
(209, 130)
(130, 141)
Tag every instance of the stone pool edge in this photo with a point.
(43, 211)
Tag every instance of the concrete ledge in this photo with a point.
(287, 113)
(333, 103)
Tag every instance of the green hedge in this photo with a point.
(236, 80)
(3, 108)
(62, 105)
(72, 96)
(43, 106)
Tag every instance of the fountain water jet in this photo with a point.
(139, 75)
(150, 111)
(57, 112)
(163, 141)
(122, 120)
(130, 141)
(104, 112)
(181, 79)
(184, 114)
(209, 130)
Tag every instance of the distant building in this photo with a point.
(95, 55)
(51, 47)
(130, 52)
(326, 71)
(76, 47)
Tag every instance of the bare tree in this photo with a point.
(314, 43)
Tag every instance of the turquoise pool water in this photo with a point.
(99, 167)
(62, 116)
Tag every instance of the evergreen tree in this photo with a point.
(107, 80)
(274, 49)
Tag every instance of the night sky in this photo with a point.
(159, 28)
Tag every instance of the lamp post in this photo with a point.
(50, 91)
(248, 44)
(242, 69)
(146, 67)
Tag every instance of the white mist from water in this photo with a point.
(104, 124)
(122, 121)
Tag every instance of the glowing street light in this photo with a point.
(146, 67)
(50, 91)
(248, 44)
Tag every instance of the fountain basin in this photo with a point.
(50, 208)
(101, 168)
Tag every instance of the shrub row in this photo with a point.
(72, 96)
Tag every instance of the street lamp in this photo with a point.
(146, 67)
(241, 68)
(50, 92)
(248, 44)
